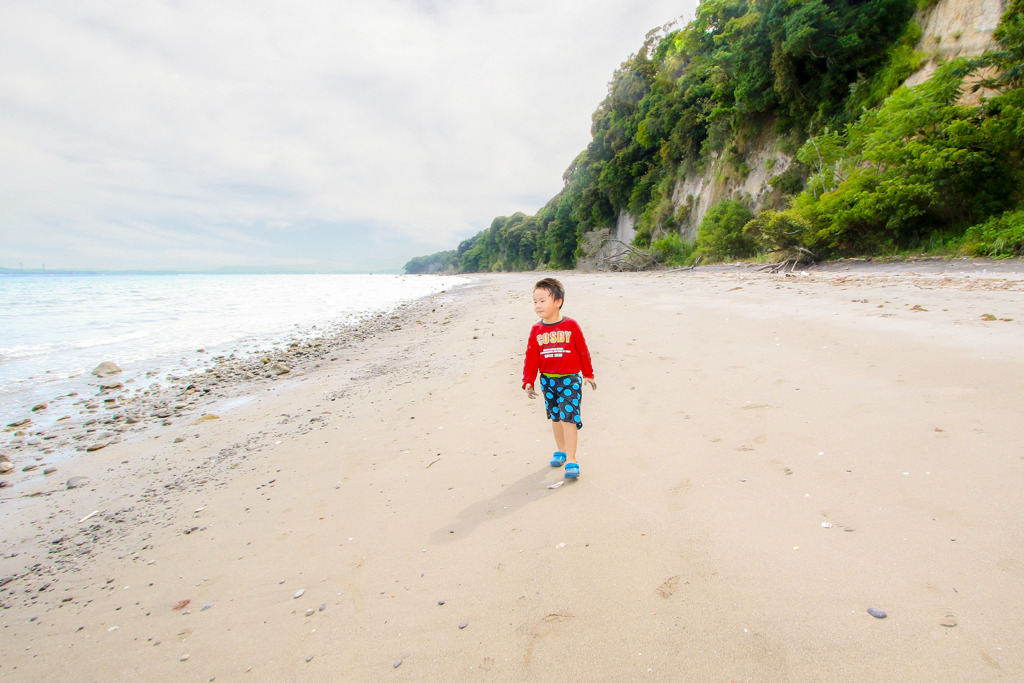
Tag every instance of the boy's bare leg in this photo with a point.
(569, 439)
(556, 427)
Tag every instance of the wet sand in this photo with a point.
(767, 457)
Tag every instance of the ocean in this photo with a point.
(54, 329)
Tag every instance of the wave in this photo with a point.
(33, 350)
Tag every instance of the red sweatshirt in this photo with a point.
(556, 349)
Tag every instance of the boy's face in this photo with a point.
(545, 306)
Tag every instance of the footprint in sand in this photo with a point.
(668, 587)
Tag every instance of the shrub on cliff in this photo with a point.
(721, 237)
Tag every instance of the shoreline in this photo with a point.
(122, 409)
(768, 457)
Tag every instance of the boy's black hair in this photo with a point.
(552, 287)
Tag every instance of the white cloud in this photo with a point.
(193, 134)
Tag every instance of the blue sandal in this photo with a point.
(572, 470)
(558, 460)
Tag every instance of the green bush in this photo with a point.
(792, 180)
(999, 236)
(773, 231)
(720, 236)
(673, 250)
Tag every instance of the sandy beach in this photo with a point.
(766, 457)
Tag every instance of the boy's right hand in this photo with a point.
(530, 393)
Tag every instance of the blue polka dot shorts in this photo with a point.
(562, 397)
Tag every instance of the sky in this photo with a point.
(198, 134)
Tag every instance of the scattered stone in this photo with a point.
(184, 658)
(464, 624)
(49, 470)
(18, 425)
(298, 594)
(323, 607)
(206, 418)
(309, 659)
(279, 369)
(206, 607)
(111, 386)
(398, 663)
(877, 613)
(310, 612)
(39, 406)
(29, 468)
(440, 602)
(6, 467)
(180, 605)
(76, 482)
(96, 446)
(179, 439)
(105, 369)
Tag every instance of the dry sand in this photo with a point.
(767, 457)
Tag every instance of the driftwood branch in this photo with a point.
(794, 256)
(628, 257)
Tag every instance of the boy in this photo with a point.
(557, 348)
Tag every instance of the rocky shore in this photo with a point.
(42, 541)
(117, 411)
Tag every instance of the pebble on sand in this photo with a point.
(75, 482)
(298, 594)
(877, 613)
(39, 406)
(398, 663)
(5, 467)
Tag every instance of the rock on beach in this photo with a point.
(105, 369)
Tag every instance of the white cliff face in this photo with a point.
(956, 28)
(951, 28)
(625, 229)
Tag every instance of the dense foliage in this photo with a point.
(878, 168)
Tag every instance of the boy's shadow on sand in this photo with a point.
(511, 498)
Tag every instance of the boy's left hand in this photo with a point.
(591, 382)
